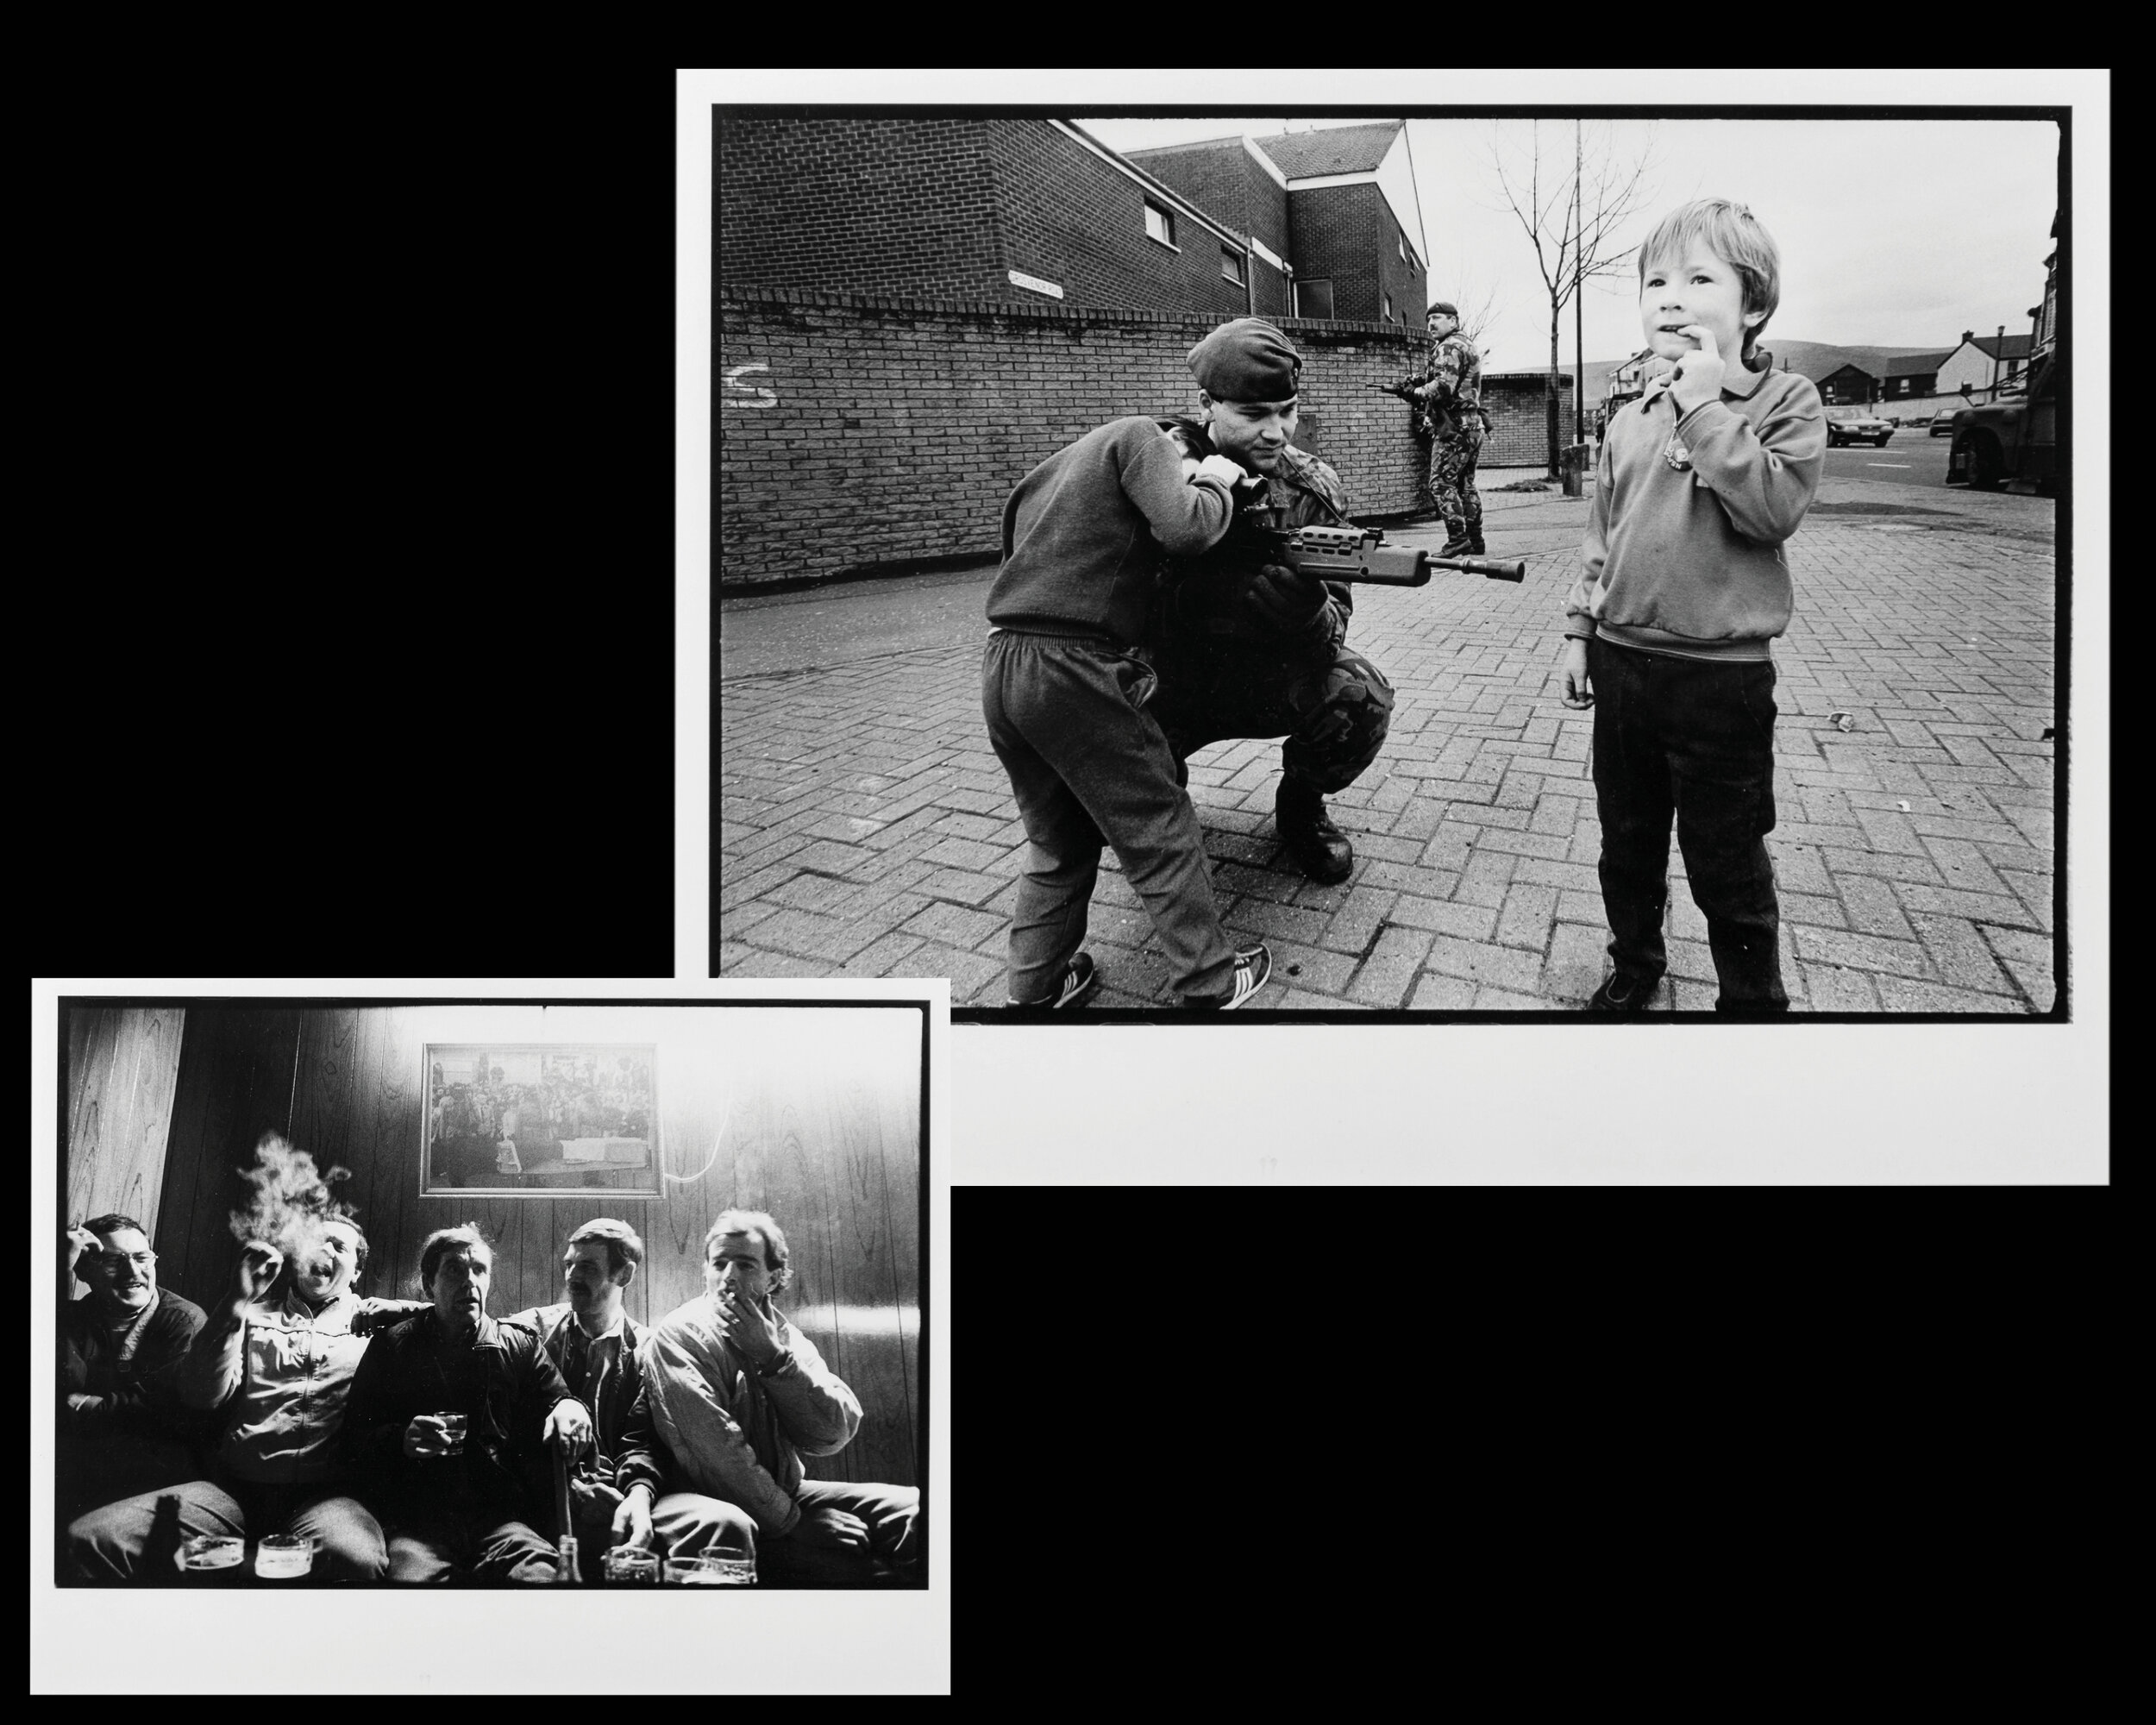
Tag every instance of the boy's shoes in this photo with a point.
(1253, 964)
(1622, 994)
(1080, 980)
(1320, 850)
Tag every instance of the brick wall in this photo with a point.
(1519, 432)
(878, 434)
(1075, 220)
(1222, 179)
(1348, 233)
(945, 209)
(858, 206)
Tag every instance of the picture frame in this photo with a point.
(528, 1119)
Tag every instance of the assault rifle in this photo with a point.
(1431, 417)
(1349, 553)
(1360, 556)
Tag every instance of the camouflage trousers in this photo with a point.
(1452, 485)
(1333, 706)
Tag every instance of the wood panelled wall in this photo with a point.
(813, 1113)
(123, 1063)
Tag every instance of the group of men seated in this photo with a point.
(299, 1408)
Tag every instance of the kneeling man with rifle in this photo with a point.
(1248, 637)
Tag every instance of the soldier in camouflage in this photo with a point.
(1447, 395)
(1247, 649)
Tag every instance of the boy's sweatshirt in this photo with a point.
(1689, 559)
(1083, 533)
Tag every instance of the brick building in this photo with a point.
(1025, 211)
(1339, 204)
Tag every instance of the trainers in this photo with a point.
(1080, 980)
(1253, 964)
(1622, 994)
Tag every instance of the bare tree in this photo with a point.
(1577, 215)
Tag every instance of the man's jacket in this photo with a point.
(736, 1436)
(504, 1385)
(133, 1379)
(629, 1446)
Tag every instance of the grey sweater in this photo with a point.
(1687, 560)
(1084, 531)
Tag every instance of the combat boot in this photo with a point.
(1474, 546)
(1459, 545)
(1320, 850)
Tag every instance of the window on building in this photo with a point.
(1159, 225)
(1388, 310)
(1313, 298)
(1232, 265)
(1404, 258)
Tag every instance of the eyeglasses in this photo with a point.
(114, 1260)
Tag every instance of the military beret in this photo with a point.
(1247, 360)
(1445, 306)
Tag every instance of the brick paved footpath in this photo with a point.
(866, 828)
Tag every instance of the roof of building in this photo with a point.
(2014, 347)
(1337, 150)
(1912, 365)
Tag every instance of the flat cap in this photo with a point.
(1247, 360)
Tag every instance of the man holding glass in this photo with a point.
(739, 1396)
(450, 1418)
(594, 1344)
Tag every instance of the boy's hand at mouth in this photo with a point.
(1698, 376)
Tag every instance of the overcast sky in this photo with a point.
(1893, 233)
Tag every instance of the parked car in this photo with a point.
(1943, 421)
(1856, 425)
(2015, 437)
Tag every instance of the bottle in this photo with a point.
(566, 1573)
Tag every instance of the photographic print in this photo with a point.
(1547, 637)
(284, 1365)
(544, 1119)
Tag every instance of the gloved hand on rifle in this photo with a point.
(1285, 601)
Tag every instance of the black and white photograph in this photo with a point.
(558, 1120)
(285, 1367)
(1558, 561)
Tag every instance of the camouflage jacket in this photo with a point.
(1198, 598)
(1447, 393)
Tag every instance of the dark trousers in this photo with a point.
(109, 1545)
(1088, 766)
(477, 1544)
(1690, 739)
(896, 1554)
(1333, 706)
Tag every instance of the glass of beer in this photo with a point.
(215, 1556)
(279, 1557)
(691, 1572)
(632, 1566)
(730, 1559)
(454, 1426)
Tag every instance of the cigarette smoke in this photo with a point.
(291, 1202)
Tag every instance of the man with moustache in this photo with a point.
(594, 1344)
(1447, 395)
(274, 1365)
(121, 1428)
(739, 1396)
(464, 1504)
(1247, 647)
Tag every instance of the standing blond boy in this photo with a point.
(1684, 585)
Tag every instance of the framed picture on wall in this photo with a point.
(524, 1120)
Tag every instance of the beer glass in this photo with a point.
(632, 1566)
(211, 1557)
(730, 1559)
(280, 1557)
